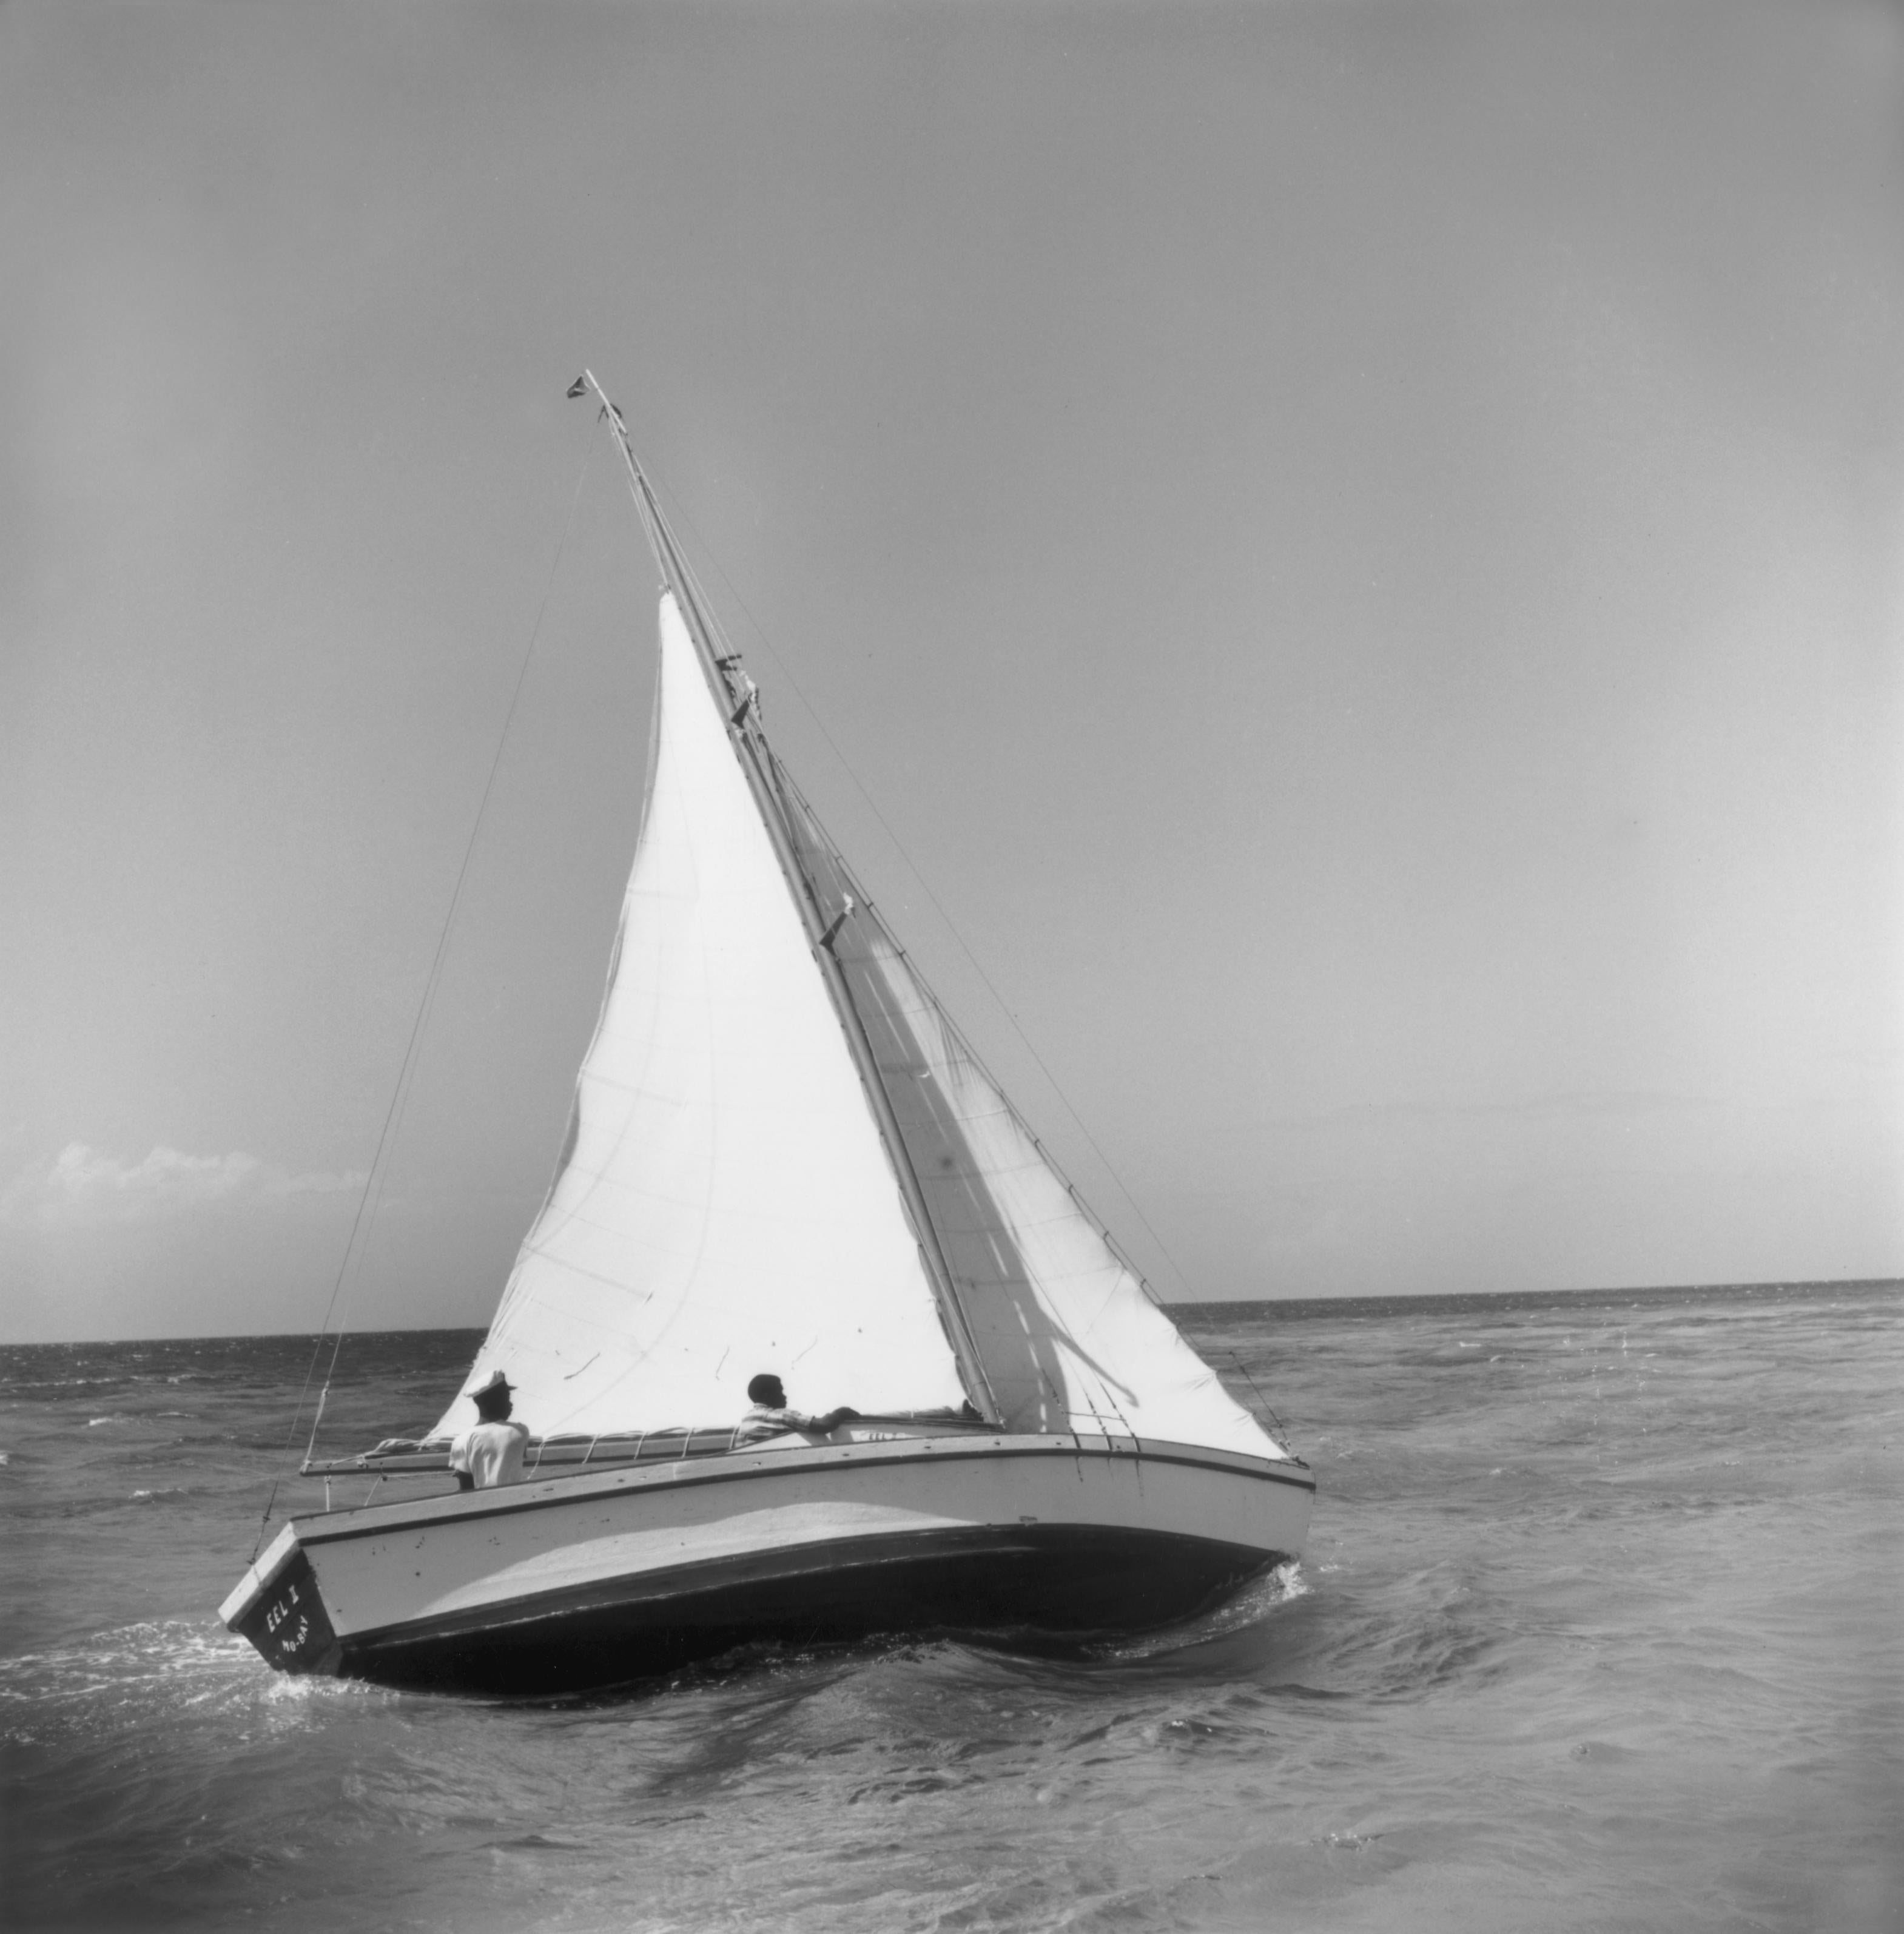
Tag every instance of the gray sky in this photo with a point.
(1356, 549)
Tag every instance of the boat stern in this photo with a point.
(278, 1608)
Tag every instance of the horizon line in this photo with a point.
(1377, 1303)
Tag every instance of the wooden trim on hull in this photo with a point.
(746, 1468)
(1030, 1584)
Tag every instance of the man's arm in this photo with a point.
(798, 1420)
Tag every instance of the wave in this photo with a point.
(1259, 1600)
(134, 1678)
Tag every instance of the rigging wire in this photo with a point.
(1243, 1370)
(374, 1182)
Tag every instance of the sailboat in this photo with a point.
(784, 1156)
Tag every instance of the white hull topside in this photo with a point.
(609, 1575)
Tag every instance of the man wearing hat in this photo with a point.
(490, 1451)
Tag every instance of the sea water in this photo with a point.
(1599, 1627)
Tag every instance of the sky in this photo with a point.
(1337, 567)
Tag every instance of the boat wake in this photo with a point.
(133, 1676)
(1257, 1601)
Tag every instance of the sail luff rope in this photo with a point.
(405, 1081)
(763, 771)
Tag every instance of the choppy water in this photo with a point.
(1601, 1627)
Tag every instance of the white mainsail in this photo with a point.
(725, 1205)
(731, 1200)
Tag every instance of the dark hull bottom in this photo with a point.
(1039, 1586)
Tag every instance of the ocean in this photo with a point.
(1600, 1627)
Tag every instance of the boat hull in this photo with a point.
(579, 1582)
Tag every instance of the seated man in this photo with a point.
(770, 1418)
(490, 1451)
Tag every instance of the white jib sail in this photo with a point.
(1068, 1336)
(1069, 1339)
(725, 1205)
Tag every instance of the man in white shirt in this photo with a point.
(490, 1451)
(770, 1418)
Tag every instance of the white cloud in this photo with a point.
(81, 1186)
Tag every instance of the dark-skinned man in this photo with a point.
(769, 1416)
